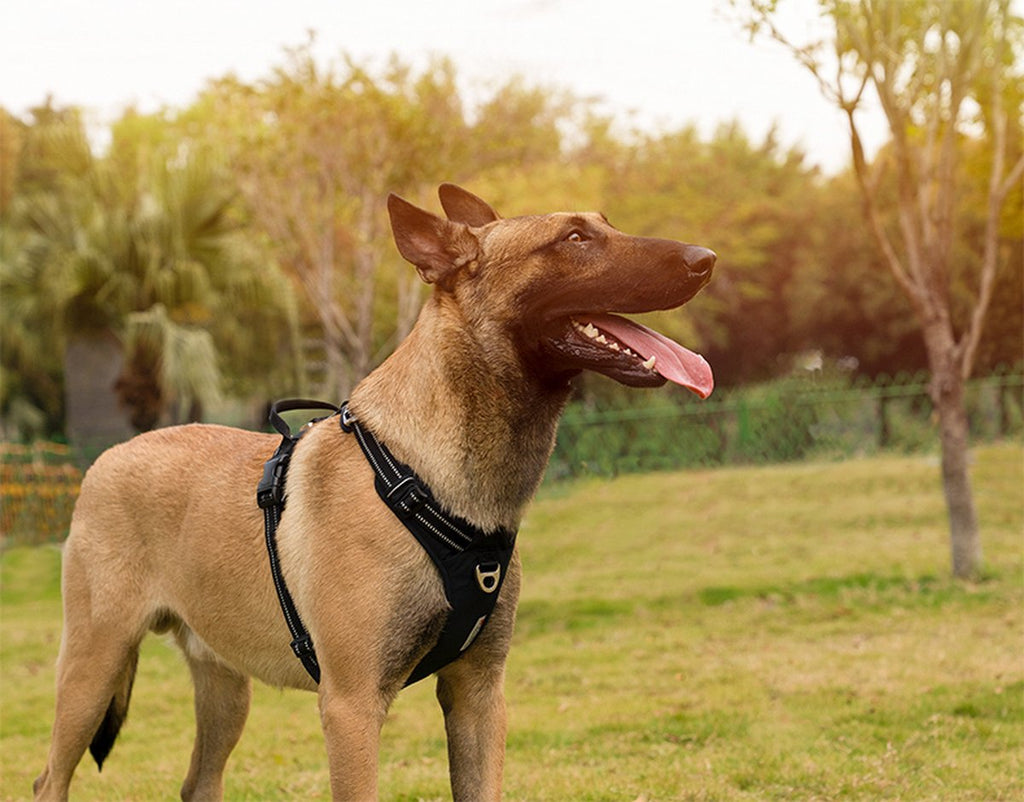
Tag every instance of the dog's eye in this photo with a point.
(576, 236)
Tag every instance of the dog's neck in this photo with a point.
(457, 405)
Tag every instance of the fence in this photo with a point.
(799, 418)
(38, 488)
(792, 419)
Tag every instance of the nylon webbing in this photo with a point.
(270, 497)
(465, 555)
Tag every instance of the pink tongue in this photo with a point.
(675, 363)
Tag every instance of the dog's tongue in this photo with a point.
(675, 363)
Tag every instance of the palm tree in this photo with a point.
(139, 261)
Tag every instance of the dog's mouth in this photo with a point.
(630, 353)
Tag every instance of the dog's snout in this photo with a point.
(699, 261)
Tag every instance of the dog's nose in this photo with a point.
(699, 261)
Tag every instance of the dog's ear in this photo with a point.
(463, 206)
(438, 247)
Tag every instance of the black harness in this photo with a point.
(472, 563)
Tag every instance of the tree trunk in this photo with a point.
(947, 394)
(95, 420)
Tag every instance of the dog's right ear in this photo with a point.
(439, 248)
(463, 206)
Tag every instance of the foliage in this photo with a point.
(38, 488)
(97, 239)
(295, 169)
(177, 362)
(316, 149)
(737, 634)
(30, 354)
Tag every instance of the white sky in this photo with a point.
(654, 63)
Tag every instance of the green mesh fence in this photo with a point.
(786, 420)
(793, 419)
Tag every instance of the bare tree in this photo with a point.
(945, 73)
(316, 151)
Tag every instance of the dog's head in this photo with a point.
(552, 282)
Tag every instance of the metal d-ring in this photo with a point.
(488, 576)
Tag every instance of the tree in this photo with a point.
(837, 305)
(318, 147)
(316, 150)
(30, 389)
(133, 256)
(945, 73)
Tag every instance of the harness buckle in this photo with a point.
(303, 647)
(407, 497)
(270, 490)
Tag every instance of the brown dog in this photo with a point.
(166, 534)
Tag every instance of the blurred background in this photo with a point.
(193, 219)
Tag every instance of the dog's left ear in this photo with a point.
(463, 206)
(439, 248)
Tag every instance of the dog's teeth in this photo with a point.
(594, 333)
(649, 364)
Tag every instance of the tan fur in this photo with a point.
(166, 534)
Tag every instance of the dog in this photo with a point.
(166, 535)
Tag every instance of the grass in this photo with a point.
(783, 633)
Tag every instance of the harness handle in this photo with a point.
(291, 404)
(270, 490)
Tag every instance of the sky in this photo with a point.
(653, 64)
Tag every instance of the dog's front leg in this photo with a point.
(352, 721)
(472, 697)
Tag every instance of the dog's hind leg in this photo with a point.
(95, 672)
(105, 620)
(222, 697)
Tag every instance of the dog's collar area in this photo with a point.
(409, 497)
(472, 563)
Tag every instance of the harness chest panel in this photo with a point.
(471, 563)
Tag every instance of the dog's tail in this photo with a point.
(117, 711)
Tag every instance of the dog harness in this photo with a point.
(471, 563)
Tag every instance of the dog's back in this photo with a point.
(144, 500)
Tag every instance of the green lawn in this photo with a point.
(737, 634)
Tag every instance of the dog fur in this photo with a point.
(166, 534)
